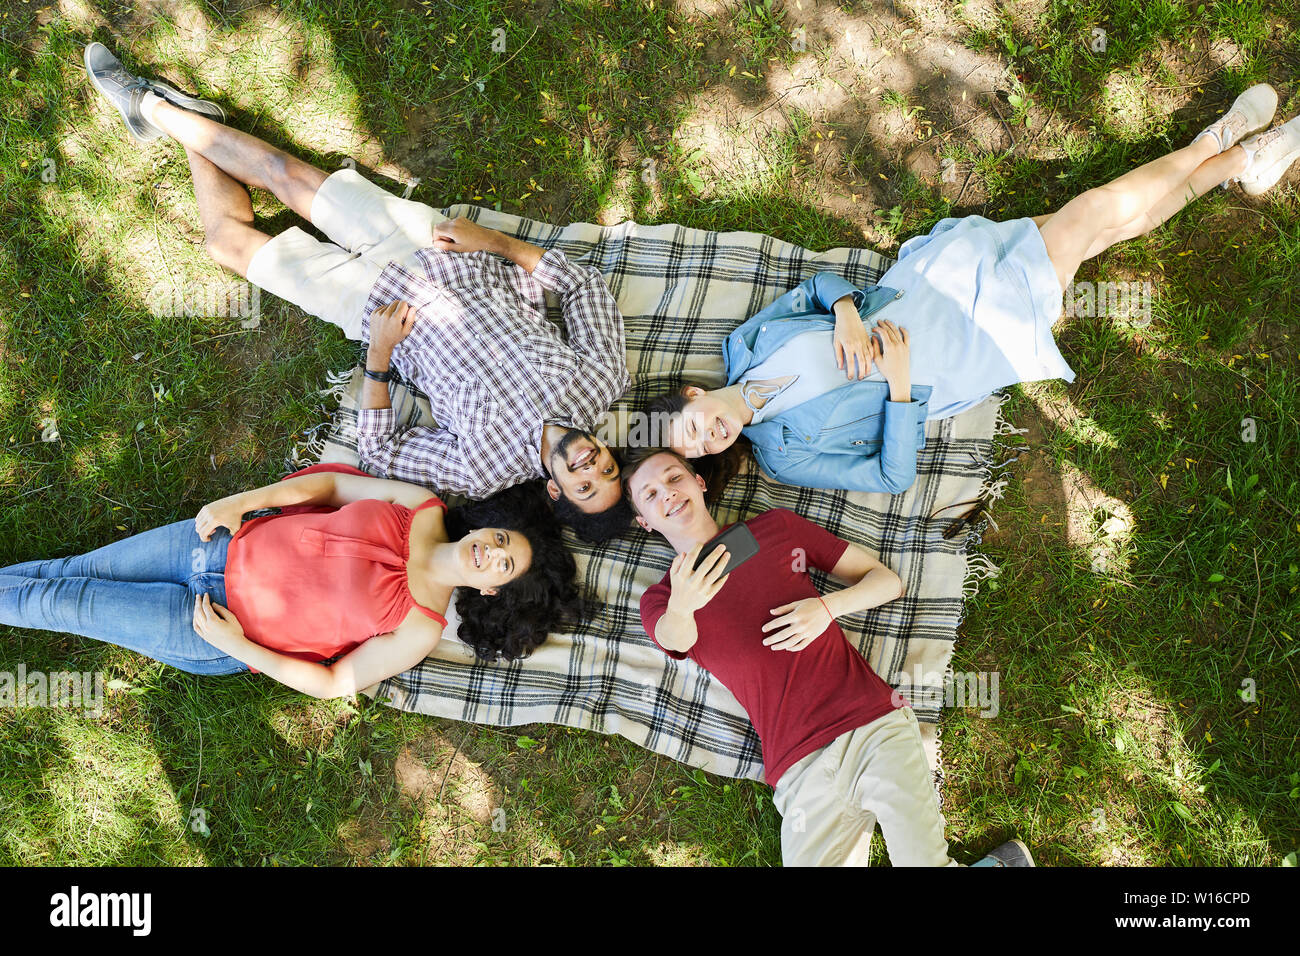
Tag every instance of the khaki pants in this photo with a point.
(831, 800)
(368, 227)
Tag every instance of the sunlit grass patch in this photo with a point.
(1124, 737)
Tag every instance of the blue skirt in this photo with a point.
(979, 301)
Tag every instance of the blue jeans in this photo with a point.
(137, 593)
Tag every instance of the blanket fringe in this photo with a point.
(994, 487)
(338, 384)
(978, 568)
(309, 449)
(1002, 425)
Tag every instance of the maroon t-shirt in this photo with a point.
(798, 701)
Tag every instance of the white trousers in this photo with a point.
(368, 227)
(831, 800)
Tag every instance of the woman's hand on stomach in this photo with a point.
(891, 351)
(853, 347)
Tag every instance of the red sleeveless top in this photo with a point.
(315, 582)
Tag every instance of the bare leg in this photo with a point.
(244, 158)
(1086, 224)
(227, 215)
(1205, 177)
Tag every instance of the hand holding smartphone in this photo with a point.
(740, 543)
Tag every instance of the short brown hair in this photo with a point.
(638, 458)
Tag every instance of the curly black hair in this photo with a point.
(517, 619)
(599, 527)
(717, 469)
(595, 528)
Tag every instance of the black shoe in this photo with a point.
(121, 89)
(186, 102)
(1011, 853)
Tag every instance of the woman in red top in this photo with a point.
(345, 586)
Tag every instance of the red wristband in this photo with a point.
(828, 609)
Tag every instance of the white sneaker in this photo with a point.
(1250, 112)
(1271, 154)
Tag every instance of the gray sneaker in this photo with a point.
(1011, 853)
(186, 102)
(1271, 155)
(1250, 112)
(126, 92)
(122, 89)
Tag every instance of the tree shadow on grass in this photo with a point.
(417, 136)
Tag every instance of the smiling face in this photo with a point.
(491, 557)
(583, 469)
(669, 499)
(706, 425)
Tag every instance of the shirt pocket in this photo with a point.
(551, 365)
(861, 435)
(341, 546)
(472, 412)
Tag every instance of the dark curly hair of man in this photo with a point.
(599, 527)
(513, 622)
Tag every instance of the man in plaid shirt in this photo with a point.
(512, 399)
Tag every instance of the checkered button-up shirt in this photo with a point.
(496, 370)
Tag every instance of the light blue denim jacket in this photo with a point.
(853, 437)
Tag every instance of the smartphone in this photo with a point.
(740, 543)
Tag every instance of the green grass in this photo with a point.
(1121, 738)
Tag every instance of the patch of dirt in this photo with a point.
(414, 777)
(1062, 501)
(456, 804)
(434, 775)
(364, 838)
(303, 727)
(878, 91)
(421, 152)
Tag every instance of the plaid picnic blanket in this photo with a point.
(681, 292)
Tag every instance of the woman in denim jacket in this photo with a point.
(832, 384)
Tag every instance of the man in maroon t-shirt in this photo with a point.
(839, 748)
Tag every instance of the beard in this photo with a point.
(564, 444)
